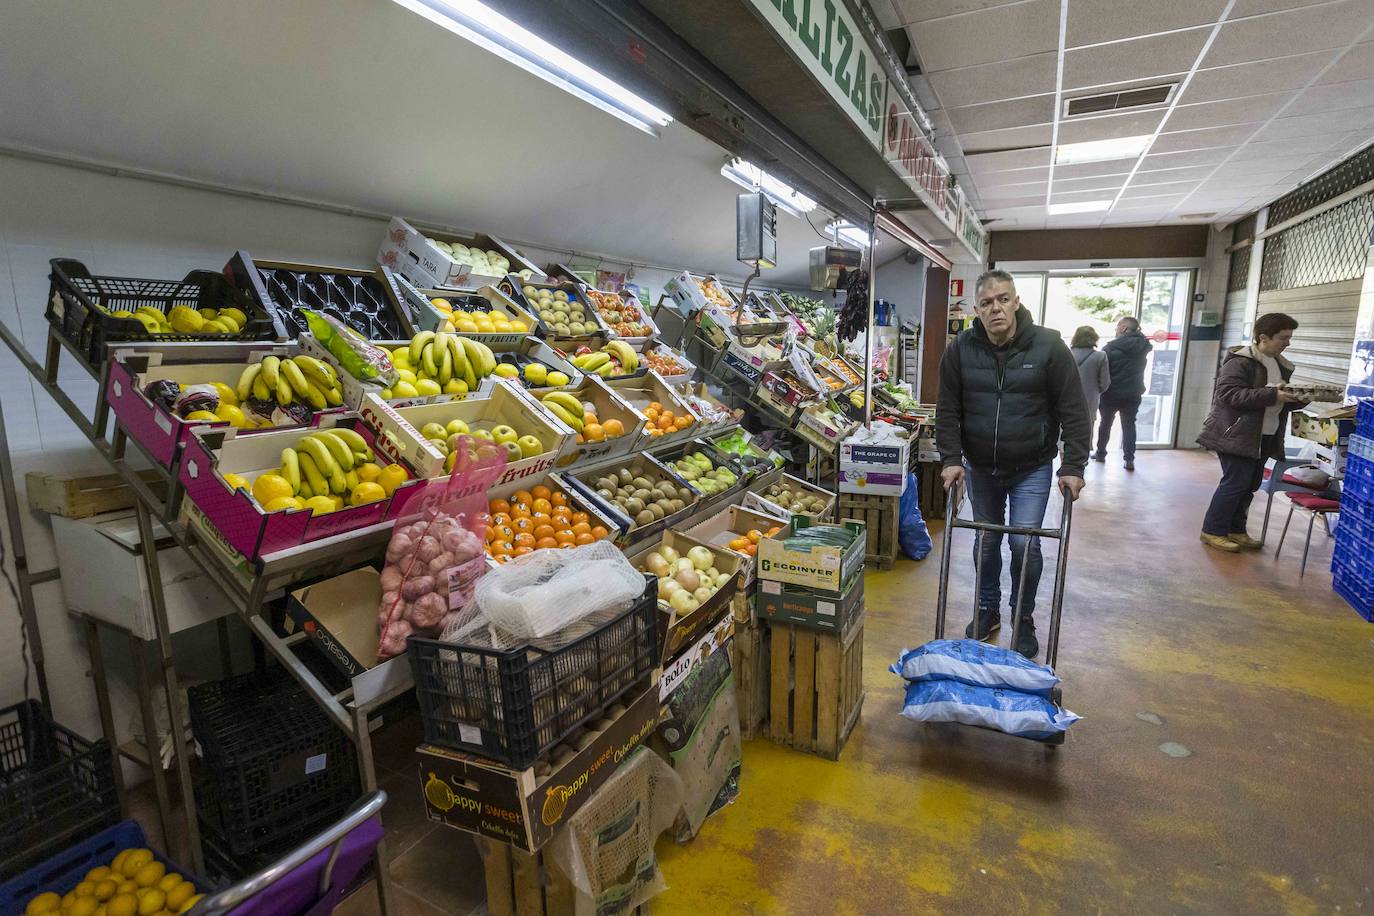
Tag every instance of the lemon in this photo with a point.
(365, 493)
(485, 327)
(150, 901)
(240, 319)
(186, 321)
(231, 414)
(518, 327)
(406, 375)
(117, 866)
(401, 358)
(149, 875)
(320, 505)
(190, 903)
(105, 888)
(368, 471)
(425, 387)
(536, 373)
(83, 906)
(267, 488)
(392, 476)
(123, 905)
(506, 370)
(84, 889)
(404, 390)
(227, 395)
(128, 887)
(141, 857)
(98, 874)
(235, 482)
(169, 881)
(338, 503)
(44, 903)
(178, 895)
(283, 503)
(456, 386)
(202, 415)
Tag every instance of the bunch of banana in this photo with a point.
(439, 363)
(183, 319)
(616, 358)
(567, 408)
(326, 470)
(286, 381)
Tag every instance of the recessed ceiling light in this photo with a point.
(1101, 150)
(1083, 206)
(749, 176)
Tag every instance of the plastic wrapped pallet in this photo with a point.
(700, 735)
(607, 847)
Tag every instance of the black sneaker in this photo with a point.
(1099, 456)
(1130, 464)
(1026, 643)
(987, 623)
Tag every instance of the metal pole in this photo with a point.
(24, 585)
(868, 327)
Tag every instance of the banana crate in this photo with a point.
(242, 521)
(150, 420)
(418, 435)
(356, 389)
(618, 430)
(642, 393)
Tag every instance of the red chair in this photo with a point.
(1315, 504)
(1279, 478)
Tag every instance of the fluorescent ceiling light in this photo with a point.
(751, 177)
(1085, 206)
(490, 30)
(850, 233)
(1101, 150)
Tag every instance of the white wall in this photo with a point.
(131, 227)
(1200, 361)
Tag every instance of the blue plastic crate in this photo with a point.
(1358, 593)
(64, 871)
(1357, 514)
(1359, 477)
(1364, 417)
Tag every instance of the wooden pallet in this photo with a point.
(931, 497)
(527, 884)
(82, 497)
(880, 515)
(749, 661)
(816, 687)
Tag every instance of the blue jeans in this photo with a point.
(1029, 495)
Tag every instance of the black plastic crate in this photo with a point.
(251, 844)
(512, 705)
(272, 758)
(76, 298)
(55, 787)
(368, 301)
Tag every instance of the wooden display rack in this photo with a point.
(880, 516)
(931, 497)
(750, 661)
(816, 687)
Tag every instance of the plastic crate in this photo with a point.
(1364, 418)
(64, 871)
(75, 298)
(250, 844)
(1357, 514)
(368, 301)
(1358, 593)
(1359, 477)
(55, 786)
(512, 705)
(272, 759)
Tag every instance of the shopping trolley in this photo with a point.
(1061, 534)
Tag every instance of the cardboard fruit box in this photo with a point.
(607, 303)
(824, 425)
(825, 569)
(488, 298)
(781, 603)
(410, 253)
(575, 498)
(398, 429)
(714, 413)
(758, 498)
(514, 288)
(650, 388)
(638, 465)
(356, 390)
(734, 523)
(157, 430)
(213, 452)
(525, 808)
(680, 629)
(607, 405)
(682, 368)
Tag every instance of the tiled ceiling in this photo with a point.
(1268, 94)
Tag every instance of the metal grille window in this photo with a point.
(1244, 230)
(1240, 269)
(1351, 173)
(1328, 248)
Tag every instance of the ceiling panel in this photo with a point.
(1167, 160)
(1151, 171)
(996, 115)
(1134, 124)
(1062, 197)
(1160, 204)
(1355, 64)
(1206, 138)
(1092, 183)
(1230, 111)
(1293, 152)
(1309, 126)
(921, 10)
(1298, 30)
(1008, 79)
(1335, 97)
(1093, 169)
(1162, 183)
(1010, 138)
(1092, 21)
(1009, 159)
(1158, 191)
(1037, 187)
(1012, 203)
(1132, 60)
(986, 36)
(1272, 75)
(1254, 7)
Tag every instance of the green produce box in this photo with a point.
(825, 566)
(779, 603)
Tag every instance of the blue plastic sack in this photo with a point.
(912, 535)
(976, 663)
(1010, 711)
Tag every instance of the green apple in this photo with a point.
(530, 446)
(514, 451)
(483, 434)
(504, 434)
(456, 428)
(433, 431)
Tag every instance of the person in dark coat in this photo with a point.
(1246, 427)
(1126, 355)
(1007, 389)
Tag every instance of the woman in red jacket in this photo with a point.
(1246, 427)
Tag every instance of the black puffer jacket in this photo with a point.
(1006, 419)
(1126, 361)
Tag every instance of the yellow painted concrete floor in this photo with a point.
(1263, 683)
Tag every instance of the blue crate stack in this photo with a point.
(1352, 561)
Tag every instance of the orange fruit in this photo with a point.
(500, 518)
(655, 406)
(752, 550)
(599, 532)
(581, 517)
(524, 539)
(500, 549)
(562, 513)
(739, 543)
(683, 422)
(580, 440)
(541, 504)
(543, 531)
(521, 510)
(522, 496)
(503, 533)
(559, 498)
(655, 431)
(521, 551)
(594, 432)
(544, 543)
(581, 528)
(665, 422)
(613, 428)
(585, 538)
(498, 506)
(754, 535)
(540, 492)
(589, 417)
(651, 414)
(565, 537)
(540, 518)
(523, 525)
(568, 546)
(772, 531)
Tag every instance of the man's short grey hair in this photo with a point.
(992, 276)
(1130, 323)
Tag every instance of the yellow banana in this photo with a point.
(314, 395)
(427, 361)
(351, 479)
(293, 374)
(338, 483)
(417, 344)
(445, 363)
(353, 439)
(270, 367)
(561, 412)
(310, 474)
(318, 371)
(291, 468)
(245, 384)
(260, 389)
(571, 404)
(460, 360)
(306, 491)
(337, 447)
(284, 395)
(320, 454)
(333, 395)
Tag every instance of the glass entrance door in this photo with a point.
(1163, 314)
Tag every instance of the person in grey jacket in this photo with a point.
(1093, 369)
(1246, 427)
(1126, 355)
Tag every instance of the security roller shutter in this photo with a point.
(1326, 328)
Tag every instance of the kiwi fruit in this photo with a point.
(642, 494)
(645, 518)
(625, 476)
(684, 494)
(656, 509)
(634, 505)
(642, 483)
(677, 504)
(605, 493)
